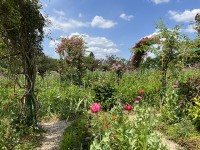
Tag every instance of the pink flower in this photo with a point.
(139, 97)
(95, 108)
(175, 85)
(141, 92)
(136, 102)
(128, 107)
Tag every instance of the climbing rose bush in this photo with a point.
(71, 51)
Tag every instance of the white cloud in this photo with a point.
(189, 29)
(64, 24)
(160, 1)
(59, 12)
(100, 46)
(100, 22)
(126, 17)
(53, 43)
(156, 32)
(186, 16)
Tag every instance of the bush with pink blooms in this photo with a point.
(71, 51)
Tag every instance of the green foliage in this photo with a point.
(194, 112)
(46, 64)
(76, 136)
(182, 129)
(104, 94)
(190, 88)
(132, 83)
(172, 111)
(89, 62)
(9, 136)
(59, 99)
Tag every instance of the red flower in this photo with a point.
(128, 107)
(95, 108)
(139, 97)
(141, 92)
(165, 60)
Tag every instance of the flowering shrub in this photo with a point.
(117, 67)
(71, 50)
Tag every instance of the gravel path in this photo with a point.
(53, 135)
(170, 144)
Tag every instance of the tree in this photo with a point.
(90, 62)
(71, 51)
(21, 29)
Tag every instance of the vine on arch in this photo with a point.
(141, 48)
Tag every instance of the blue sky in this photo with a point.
(114, 26)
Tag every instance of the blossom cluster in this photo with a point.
(117, 66)
(71, 48)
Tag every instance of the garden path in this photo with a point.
(170, 144)
(52, 137)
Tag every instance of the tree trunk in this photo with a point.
(30, 75)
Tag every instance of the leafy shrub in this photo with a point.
(132, 83)
(9, 135)
(194, 112)
(76, 136)
(190, 88)
(182, 129)
(104, 94)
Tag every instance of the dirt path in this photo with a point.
(170, 144)
(53, 135)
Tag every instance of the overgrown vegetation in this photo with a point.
(137, 97)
